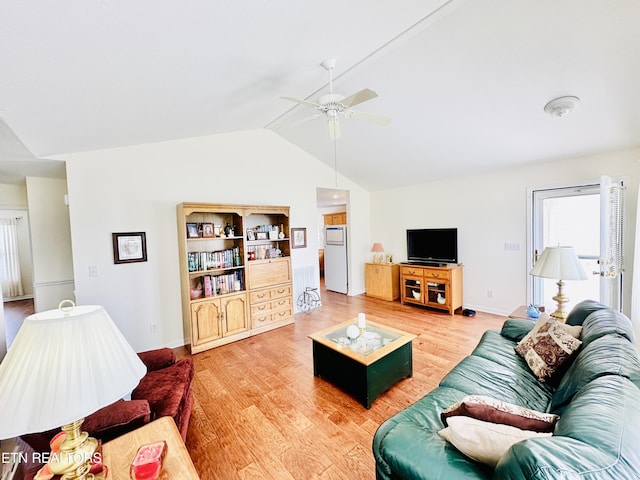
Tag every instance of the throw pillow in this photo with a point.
(484, 442)
(490, 409)
(547, 347)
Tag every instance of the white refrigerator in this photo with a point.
(335, 258)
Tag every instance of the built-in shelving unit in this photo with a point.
(235, 271)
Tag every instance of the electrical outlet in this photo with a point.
(93, 271)
(490, 293)
(511, 246)
(153, 328)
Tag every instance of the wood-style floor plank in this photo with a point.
(260, 412)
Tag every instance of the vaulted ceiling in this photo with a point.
(464, 82)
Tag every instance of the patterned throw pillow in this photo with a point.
(547, 346)
(490, 409)
(484, 442)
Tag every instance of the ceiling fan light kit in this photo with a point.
(559, 107)
(334, 104)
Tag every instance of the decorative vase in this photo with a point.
(353, 332)
(533, 312)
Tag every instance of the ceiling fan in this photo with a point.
(333, 105)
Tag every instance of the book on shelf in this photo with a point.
(222, 284)
(199, 261)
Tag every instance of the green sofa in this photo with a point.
(597, 399)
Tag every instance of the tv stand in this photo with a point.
(432, 286)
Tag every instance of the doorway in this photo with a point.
(333, 259)
(580, 217)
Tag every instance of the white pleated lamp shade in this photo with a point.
(560, 263)
(63, 366)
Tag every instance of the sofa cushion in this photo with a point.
(547, 347)
(157, 359)
(408, 444)
(606, 355)
(105, 424)
(582, 310)
(483, 441)
(596, 438)
(117, 419)
(516, 328)
(489, 409)
(606, 322)
(166, 389)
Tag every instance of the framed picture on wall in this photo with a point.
(129, 247)
(298, 237)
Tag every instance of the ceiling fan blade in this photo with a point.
(368, 117)
(334, 128)
(359, 97)
(302, 102)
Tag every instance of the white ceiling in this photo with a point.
(465, 82)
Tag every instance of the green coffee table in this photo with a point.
(364, 367)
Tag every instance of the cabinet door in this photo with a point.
(438, 294)
(265, 273)
(412, 289)
(339, 218)
(378, 280)
(205, 322)
(235, 314)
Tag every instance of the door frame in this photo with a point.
(529, 260)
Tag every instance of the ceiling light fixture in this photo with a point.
(559, 107)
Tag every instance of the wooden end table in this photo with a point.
(363, 370)
(118, 453)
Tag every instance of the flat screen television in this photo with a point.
(430, 246)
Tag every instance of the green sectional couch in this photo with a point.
(596, 396)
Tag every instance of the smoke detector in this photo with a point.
(559, 107)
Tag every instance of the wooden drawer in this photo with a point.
(281, 291)
(413, 271)
(282, 314)
(266, 294)
(262, 319)
(437, 274)
(260, 296)
(267, 307)
(281, 303)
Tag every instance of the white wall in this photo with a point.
(137, 188)
(50, 242)
(488, 211)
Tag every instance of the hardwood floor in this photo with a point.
(259, 412)
(15, 311)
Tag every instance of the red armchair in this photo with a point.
(165, 390)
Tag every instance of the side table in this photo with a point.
(521, 312)
(118, 453)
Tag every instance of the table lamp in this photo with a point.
(560, 263)
(377, 250)
(63, 365)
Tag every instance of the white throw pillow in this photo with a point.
(484, 442)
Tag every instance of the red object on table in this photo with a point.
(147, 463)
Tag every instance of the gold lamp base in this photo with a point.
(561, 299)
(73, 461)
